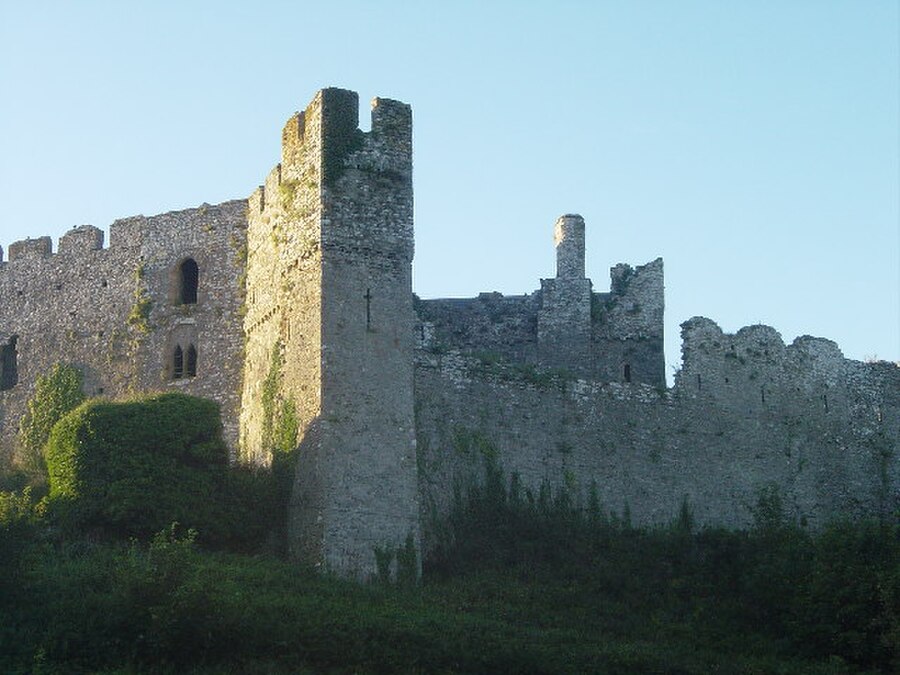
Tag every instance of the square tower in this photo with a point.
(329, 329)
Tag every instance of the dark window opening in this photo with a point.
(191, 365)
(628, 372)
(368, 297)
(762, 394)
(9, 370)
(825, 401)
(190, 278)
(699, 382)
(177, 363)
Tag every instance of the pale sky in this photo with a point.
(752, 145)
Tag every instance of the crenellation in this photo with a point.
(84, 238)
(292, 137)
(298, 302)
(31, 249)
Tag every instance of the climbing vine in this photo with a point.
(139, 316)
(55, 393)
(270, 388)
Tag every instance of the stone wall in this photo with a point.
(115, 312)
(757, 420)
(611, 337)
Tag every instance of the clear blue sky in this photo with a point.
(753, 145)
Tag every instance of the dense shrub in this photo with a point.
(55, 394)
(17, 530)
(132, 468)
(833, 595)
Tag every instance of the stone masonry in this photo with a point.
(297, 304)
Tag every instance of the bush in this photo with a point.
(851, 600)
(129, 469)
(17, 527)
(55, 394)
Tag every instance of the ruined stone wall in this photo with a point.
(329, 279)
(565, 326)
(648, 451)
(491, 325)
(627, 326)
(116, 312)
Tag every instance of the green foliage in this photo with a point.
(269, 399)
(384, 558)
(129, 468)
(139, 314)
(834, 596)
(407, 563)
(518, 583)
(280, 435)
(287, 427)
(851, 597)
(648, 602)
(406, 571)
(17, 531)
(55, 394)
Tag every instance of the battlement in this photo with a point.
(77, 240)
(30, 249)
(127, 234)
(81, 238)
(319, 142)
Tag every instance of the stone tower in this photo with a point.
(564, 321)
(328, 329)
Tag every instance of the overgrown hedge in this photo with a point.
(132, 468)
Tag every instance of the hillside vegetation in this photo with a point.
(527, 587)
(513, 582)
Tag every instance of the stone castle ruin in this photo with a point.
(297, 303)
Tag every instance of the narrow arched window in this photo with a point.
(627, 372)
(177, 363)
(9, 369)
(190, 278)
(191, 361)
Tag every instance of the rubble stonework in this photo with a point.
(296, 304)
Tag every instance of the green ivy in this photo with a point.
(270, 388)
(139, 316)
(55, 394)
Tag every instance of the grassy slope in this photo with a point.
(172, 608)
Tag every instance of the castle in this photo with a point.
(295, 307)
